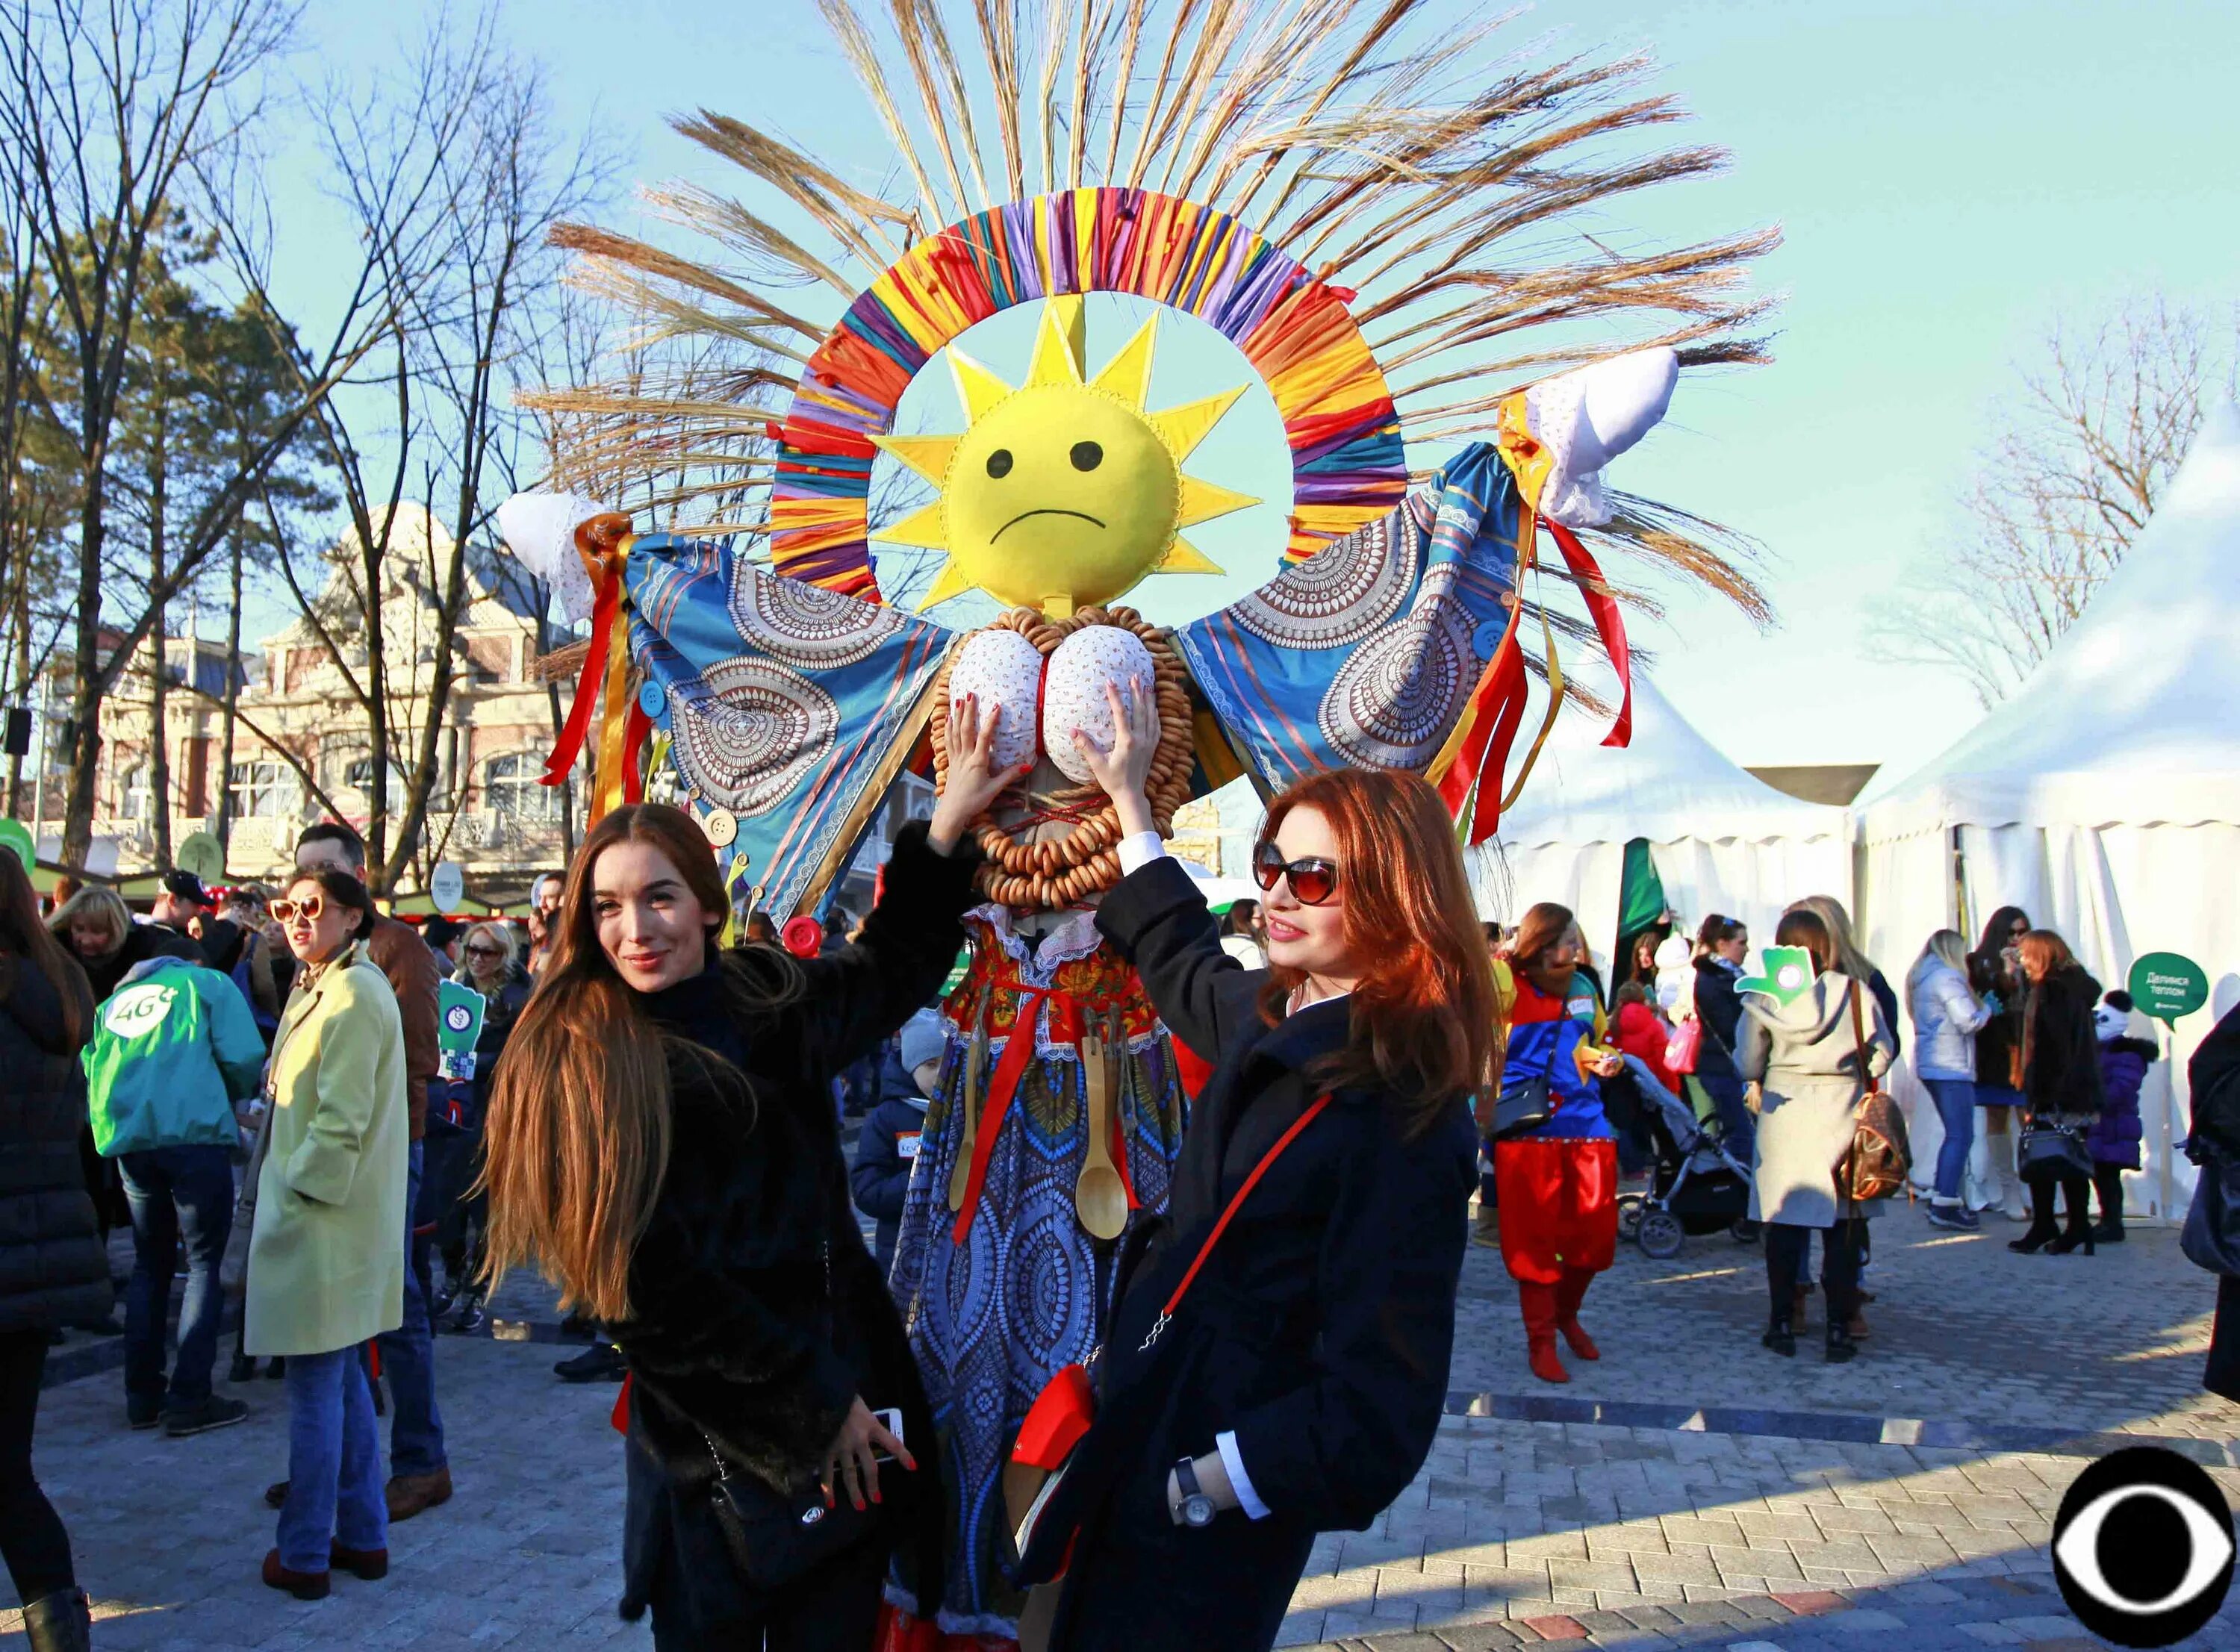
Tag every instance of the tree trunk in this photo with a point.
(376, 685)
(89, 682)
(22, 675)
(232, 698)
(159, 697)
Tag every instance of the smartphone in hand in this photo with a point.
(890, 1419)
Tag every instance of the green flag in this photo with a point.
(1641, 901)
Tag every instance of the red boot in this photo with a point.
(1538, 1304)
(1569, 1296)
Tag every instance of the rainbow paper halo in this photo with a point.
(1348, 466)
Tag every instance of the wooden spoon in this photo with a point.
(976, 1071)
(1099, 1198)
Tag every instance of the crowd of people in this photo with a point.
(653, 1121)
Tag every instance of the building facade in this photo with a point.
(487, 811)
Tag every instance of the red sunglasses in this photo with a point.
(1313, 879)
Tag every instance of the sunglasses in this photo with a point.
(288, 911)
(486, 952)
(1313, 879)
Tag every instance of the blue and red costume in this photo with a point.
(1558, 1185)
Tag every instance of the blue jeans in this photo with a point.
(1956, 1106)
(179, 1195)
(333, 1461)
(408, 1355)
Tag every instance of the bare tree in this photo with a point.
(2072, 473)
(112, 112)
(474, 122)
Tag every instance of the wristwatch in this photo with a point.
(1196, 1509)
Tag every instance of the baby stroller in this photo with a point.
(1695, 1185)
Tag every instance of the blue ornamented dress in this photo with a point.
(999, 1294)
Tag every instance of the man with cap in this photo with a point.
(179, 902)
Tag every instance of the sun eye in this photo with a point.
(999, 464)
(1087, 455)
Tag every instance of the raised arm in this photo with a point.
(1156, 915)
(861, 993)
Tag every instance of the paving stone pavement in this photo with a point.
(1963, 1329)
(1570, 1534)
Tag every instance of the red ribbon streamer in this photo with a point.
(1509, 688)
(619, 1417)
(1065, 1023)
(636, 725)
(1609, 622)
(570, 743)
(1496, 707)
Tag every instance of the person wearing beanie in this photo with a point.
(2115, 1137)
(887, 1146)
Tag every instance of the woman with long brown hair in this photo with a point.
(50, 1258)
(1995, 972)
(1556, 1180)
(1301, 1378)
(2060, 1087)
(661, 1144)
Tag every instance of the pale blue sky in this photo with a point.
(1950, 178)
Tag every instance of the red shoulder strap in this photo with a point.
(1230, 1209)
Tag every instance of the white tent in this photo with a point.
(2103, 795)
(1722, 840)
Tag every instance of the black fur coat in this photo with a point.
(758, 1315)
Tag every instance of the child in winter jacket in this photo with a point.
(2114, 1138)
(886, 1149)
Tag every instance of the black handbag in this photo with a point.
(2053, 1150)
(1522, 1107)
(2211, 1236)
(775, 1539)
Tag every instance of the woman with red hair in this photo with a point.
(1297, 1385)
(1556, 1169)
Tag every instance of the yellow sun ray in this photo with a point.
(926, 455)
(977, 388)
(1128, 374)
(1183, 427)
(1060, 343)
(1203, 501)
(927, 526)
(1183, 557)
(951, 581)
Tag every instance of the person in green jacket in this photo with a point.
(175, 1049)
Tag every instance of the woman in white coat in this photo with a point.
(1811, 1056)
(1946, 1015)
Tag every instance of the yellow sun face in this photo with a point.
(1065, 491)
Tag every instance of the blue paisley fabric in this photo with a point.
(1363, 655)
(784, 703)
(1028, 1292)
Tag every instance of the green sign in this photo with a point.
(1788, 973)
(458, 1017)
(16, 838)
(201, 854)
(2167, 985)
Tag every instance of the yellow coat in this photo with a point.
(326, 1257)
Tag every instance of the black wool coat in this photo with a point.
(52, 1270)
(1319, 1331)
(758, 1318)
(2061, 1048)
